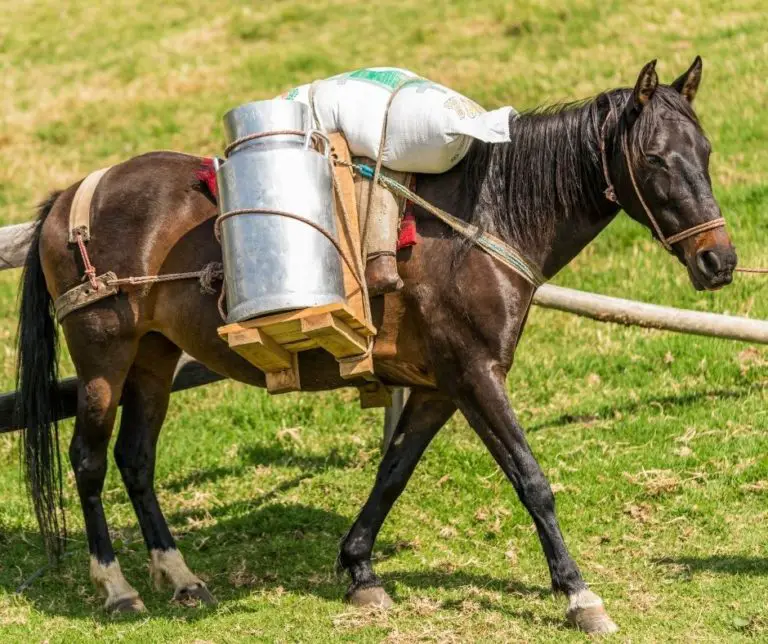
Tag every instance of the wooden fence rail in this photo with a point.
(15, 240)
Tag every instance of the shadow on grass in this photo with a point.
(731, 564)
(264, 546)
(607, 412)
(455, 580)
(273, 454)
(242, 549)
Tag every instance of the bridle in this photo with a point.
(610, 192)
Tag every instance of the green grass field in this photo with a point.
(655, 443)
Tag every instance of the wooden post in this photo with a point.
(392, 415)
(14, 244)
(630, 313)
(189, 373)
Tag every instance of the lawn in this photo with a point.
(655, 443)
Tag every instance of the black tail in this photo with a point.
(37, 395)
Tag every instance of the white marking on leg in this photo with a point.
(584, 598)
(109, 579)
(587, 613)
(169, 565)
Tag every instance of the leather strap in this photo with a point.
(610, 192)
(80, 212)
(84, 295)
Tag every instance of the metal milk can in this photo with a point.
(273, 262)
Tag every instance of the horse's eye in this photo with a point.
(656, 161)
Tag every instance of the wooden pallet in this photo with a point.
(272, 343)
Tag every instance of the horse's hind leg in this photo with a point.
(423, 416)
(145, 402)
(101, 374)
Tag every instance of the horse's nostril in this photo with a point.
(708, 263)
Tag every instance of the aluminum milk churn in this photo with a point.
(273, 262)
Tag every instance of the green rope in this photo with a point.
(492, 245)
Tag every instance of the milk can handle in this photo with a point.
(317, 134)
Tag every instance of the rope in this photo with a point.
(90, 269)
(492, 245)
(651, 218)
(380, 160)
(610, 194)
(207, 275)
(746, 269)
(290, 215)
(261, 135)
(693, 230)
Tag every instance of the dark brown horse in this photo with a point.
(450, 334)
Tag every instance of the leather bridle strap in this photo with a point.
(610, 194)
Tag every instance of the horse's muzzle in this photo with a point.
(712, 268)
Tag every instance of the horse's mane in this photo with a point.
(550, 170)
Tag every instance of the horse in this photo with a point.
(450, 334)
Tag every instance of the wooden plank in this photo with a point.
(374, 394)
(362, 368)
(349, 229)
(290, 321)
(260, 350)
(333, 335)
(358, 324)
(285, 381)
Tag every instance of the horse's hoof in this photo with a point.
(374, 597)
(193, 595)
(587, 613)
(126, 605)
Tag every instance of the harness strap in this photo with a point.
(495, 247)
(98, 288)
(651, 218)
(80, 211)
(610, 194)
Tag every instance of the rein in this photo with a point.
(610, 194)
(495, 247)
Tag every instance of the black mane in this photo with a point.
(550, 170)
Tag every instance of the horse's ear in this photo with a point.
(646, 84)
(688, 83)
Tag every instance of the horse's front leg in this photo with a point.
(482, 398)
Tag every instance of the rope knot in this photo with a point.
(210, 273)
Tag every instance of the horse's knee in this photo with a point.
(537, 496)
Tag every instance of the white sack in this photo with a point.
(430, 126)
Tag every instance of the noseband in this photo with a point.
(610, 194)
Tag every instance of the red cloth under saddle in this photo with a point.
(207, 175)
(406, 237)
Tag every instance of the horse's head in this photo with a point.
(660, 165)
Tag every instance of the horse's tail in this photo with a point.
(37, 395)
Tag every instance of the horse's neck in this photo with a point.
(560, 232)
(570, 237)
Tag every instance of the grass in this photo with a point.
(655, 443)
